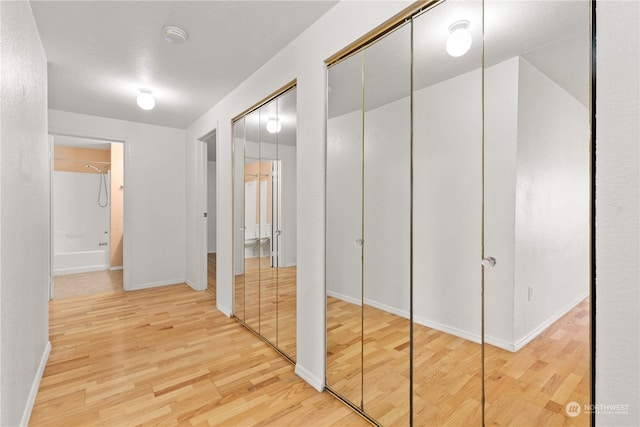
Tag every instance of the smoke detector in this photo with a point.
(174, 34)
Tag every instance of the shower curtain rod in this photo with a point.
(82, 161)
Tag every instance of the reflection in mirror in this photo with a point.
(265, 211)
(447, 195)
(238, 219)
(387, 213)
(268, 269)
(285, 221)
(251, 220)
(537, 154)
(344, 230)
(499, 147)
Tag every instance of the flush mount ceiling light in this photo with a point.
(273, 126)
(145, 100)
(174, 34)
(459, 41)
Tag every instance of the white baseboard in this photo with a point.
(346, 298)
(550, 321)
(211, 252)
(116, 268)
(148, 285)
(311, 379)
(389, 309)
(35, 386)
(224, 310)
(76, 270)
(499, 342)
(405, 314)
(191, 284)
(451, 330)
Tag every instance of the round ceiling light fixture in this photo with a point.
(174, 34)
(273, 126)
(145, 100)
(459, 41)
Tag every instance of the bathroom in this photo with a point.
(87, 201)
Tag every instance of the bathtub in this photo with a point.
(80, 262)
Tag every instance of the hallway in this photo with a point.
(82, 284)
(167, 356)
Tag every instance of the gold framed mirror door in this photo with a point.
(462, 183)
(368, 183)
(265, 219)
(447, 212)
(537, 223)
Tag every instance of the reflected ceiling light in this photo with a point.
(174, 34)
(273, 126)
(145, 100)
(459, 41)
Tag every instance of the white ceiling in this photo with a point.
(101, 52)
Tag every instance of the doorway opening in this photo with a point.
(210, 203)
(87, 216)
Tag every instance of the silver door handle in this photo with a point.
(489, 262)
(278, 232)
(243, 228)
(358, 242)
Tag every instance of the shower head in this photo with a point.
(94, 168)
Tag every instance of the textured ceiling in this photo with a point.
(101, 52)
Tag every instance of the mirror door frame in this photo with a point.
(398, 20)
(292, 85)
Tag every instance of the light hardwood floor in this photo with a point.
(211, 273)
(534, 385)
(528, 388)
(97, 282)
(266, 301)
(167, 356)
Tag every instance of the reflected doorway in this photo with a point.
(210, 192)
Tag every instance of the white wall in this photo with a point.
(447, 204)
(288, 203)
(617, 255)
(24, 213)
(386, 206)
(154, 180)
(536, 220)
(501, 143)
(238, 212)
(552, 203)
(302, 59)
(211, 207)
(79, 224)
(387, 178)
(618, 211)
(344, 206)
(448, 200)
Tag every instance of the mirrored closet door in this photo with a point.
(368, 183)
(537, 222)
(458, 220)
(447, 203)
(265, 220)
